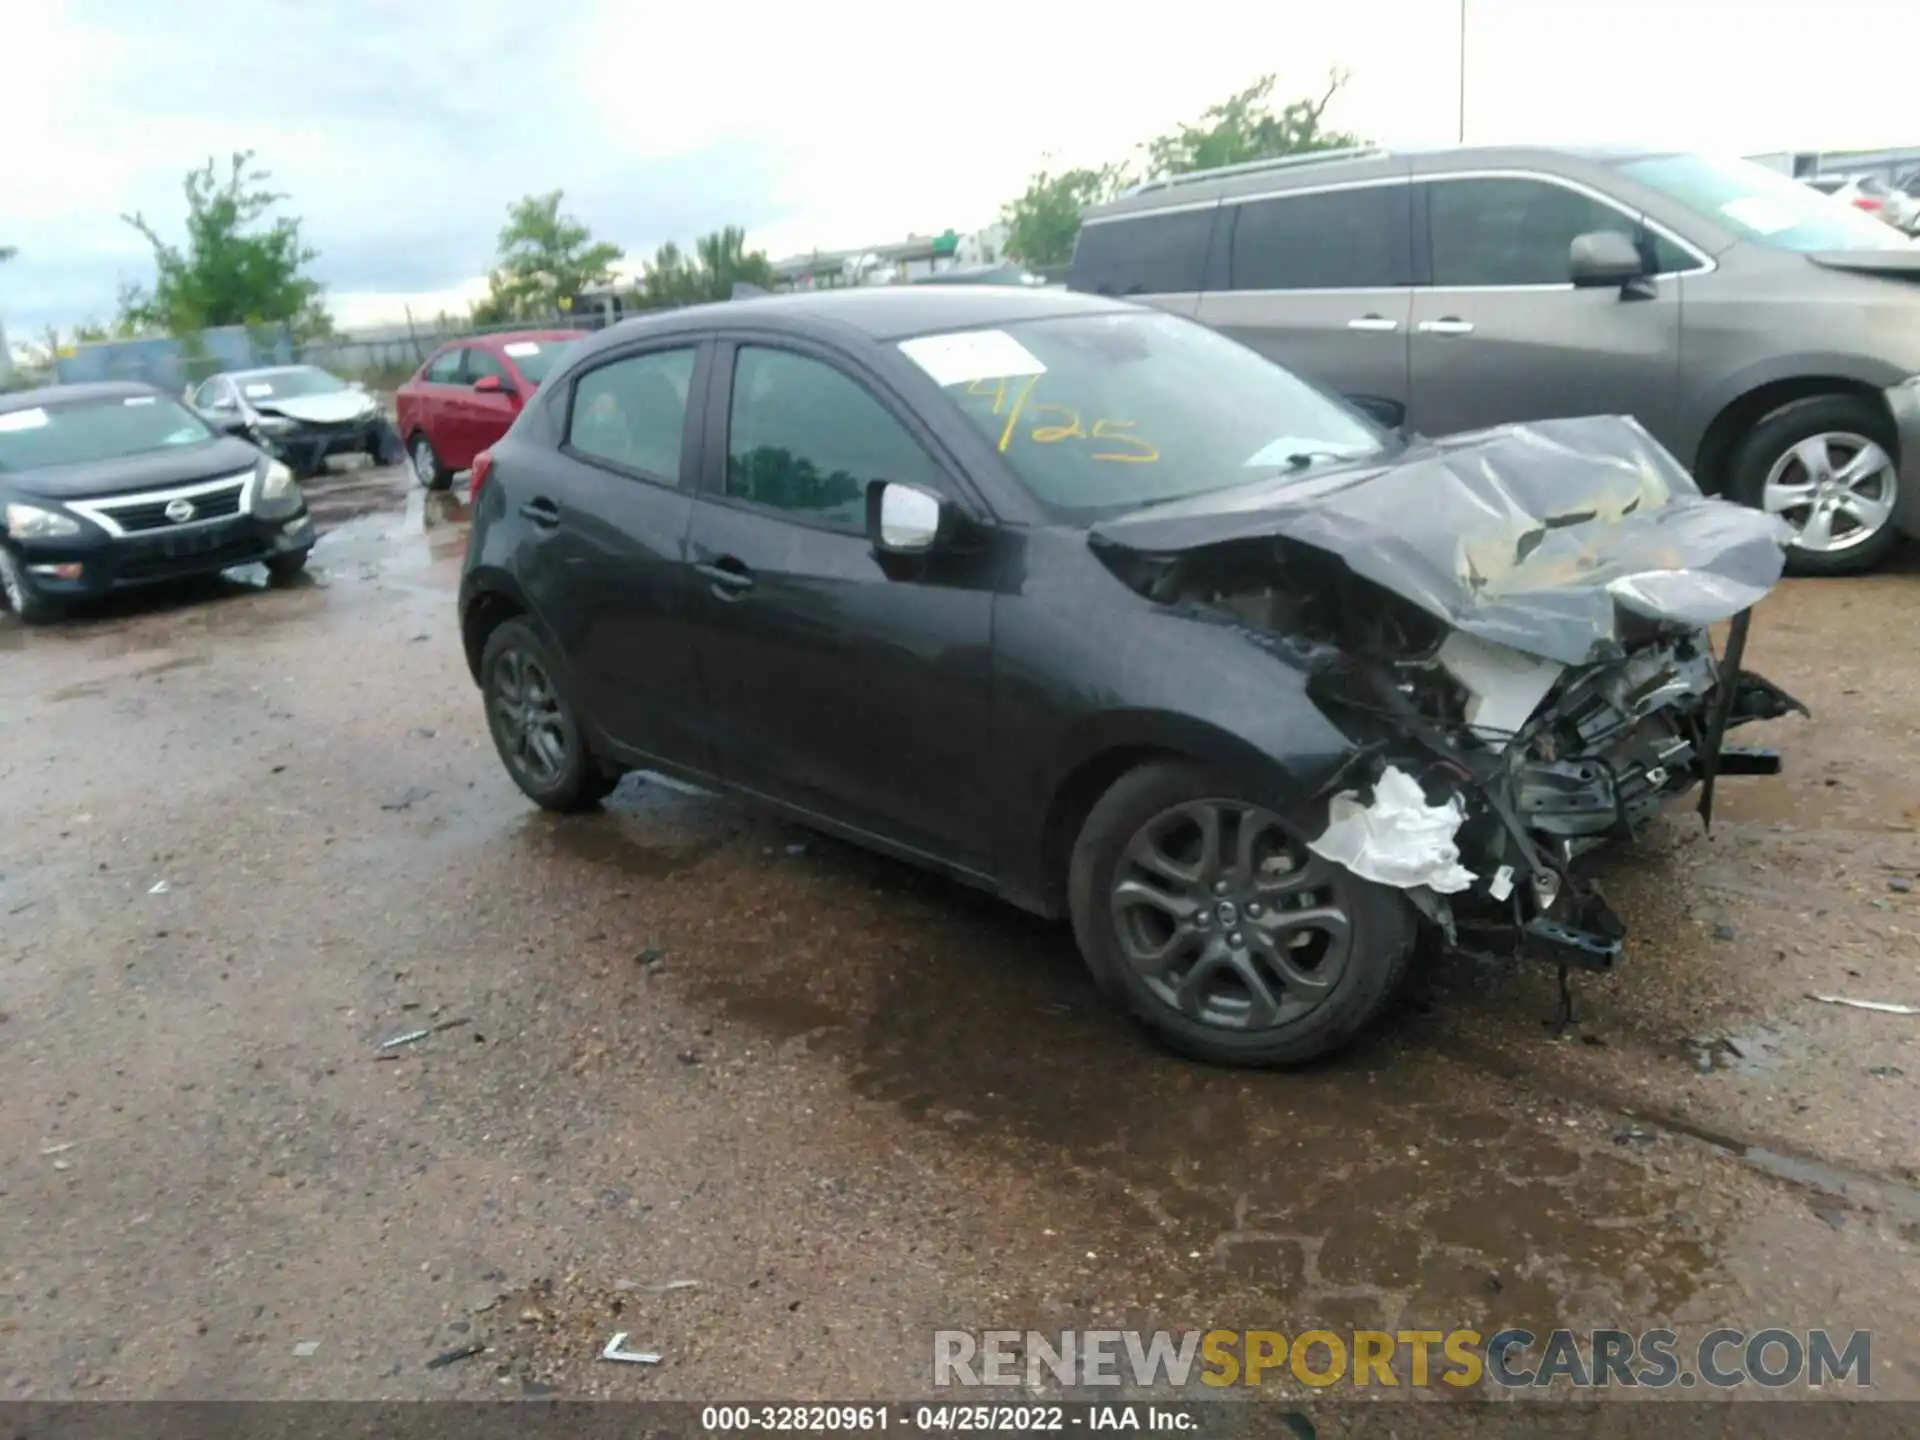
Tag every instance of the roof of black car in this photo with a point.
(887, 313)
(67, 394)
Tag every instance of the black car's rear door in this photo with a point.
(856, 688)
(603, 547)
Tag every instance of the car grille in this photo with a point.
(134, 516)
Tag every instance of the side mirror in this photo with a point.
(490, 385)
(1387, 414)
(904, 519)
(1604, 257)
(232, 423)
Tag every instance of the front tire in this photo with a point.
(427, 468)
(29, 604)
(1202, 913)
(287, 565)
(1824, 465)
(535, 726)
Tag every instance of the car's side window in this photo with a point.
(1161, 254)
(1511, 230)
(481, 362)
(805, 439)
(633, 413)
(1357, 239)
(212, 396)
(445, 369)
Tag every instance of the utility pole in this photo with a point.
(1463, 72)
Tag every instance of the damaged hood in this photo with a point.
(1535, 536)
(332, 408)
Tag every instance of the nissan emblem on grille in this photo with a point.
(179, 511)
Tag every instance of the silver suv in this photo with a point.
(1767, 336)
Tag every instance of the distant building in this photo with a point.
(896, 262)
(1892, 166)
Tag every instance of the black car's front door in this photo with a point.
(609, 517)
(856, 688)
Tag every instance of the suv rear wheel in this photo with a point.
(1824, 465)
(1204, 914)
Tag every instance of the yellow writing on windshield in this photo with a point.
(1115, 437)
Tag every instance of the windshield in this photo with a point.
(1110, 412)
(536, 358)
(287, 384)
(1763, 205)
(86, 431)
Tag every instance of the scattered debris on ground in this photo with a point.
(414, 1036)
(614, 1351)
(1885, 1007)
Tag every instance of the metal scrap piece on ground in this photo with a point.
(465, 1352)
(412, 1035)
(1886, 1007)
(632, 1357)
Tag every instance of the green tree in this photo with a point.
(238, 266)
(544, 258)
(1245, 127)
(669, 278)
(1043, 222)
(724, 260)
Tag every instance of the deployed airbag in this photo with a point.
(1398, 839)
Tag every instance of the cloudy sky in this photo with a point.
(402, 131)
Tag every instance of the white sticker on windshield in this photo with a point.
(971, 355)
(520, 349)
(256, 392)
(23, 420)
(1281, 452)
(138, 400)
(1759, 214)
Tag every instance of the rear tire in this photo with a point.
(535, 724)
(1771, 468)
(29, 604)
(427, 468)
(1283, 958)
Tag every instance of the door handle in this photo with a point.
(1446, 325)
(1373, 322)
(729, 577)
(542, 512)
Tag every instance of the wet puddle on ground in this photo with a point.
(1393, 1185)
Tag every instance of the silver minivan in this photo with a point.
(1766, 334)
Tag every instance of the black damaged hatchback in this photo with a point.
(1092, 607)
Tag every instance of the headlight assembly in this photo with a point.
(279, 494)
(275, 425)
(30, 522)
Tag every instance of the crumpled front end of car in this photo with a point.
(1515, 629)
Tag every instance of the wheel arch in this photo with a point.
(1102, 751)
(491, 601)
(1738, 415)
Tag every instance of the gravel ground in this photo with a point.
(779, 1109)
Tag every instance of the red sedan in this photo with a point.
(467, 394)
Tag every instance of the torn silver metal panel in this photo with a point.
(1397, 839)
(1564, 539)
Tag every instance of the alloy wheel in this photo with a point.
(1835, 489)
(423, 465)
(526, 713)
(1228, 918)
